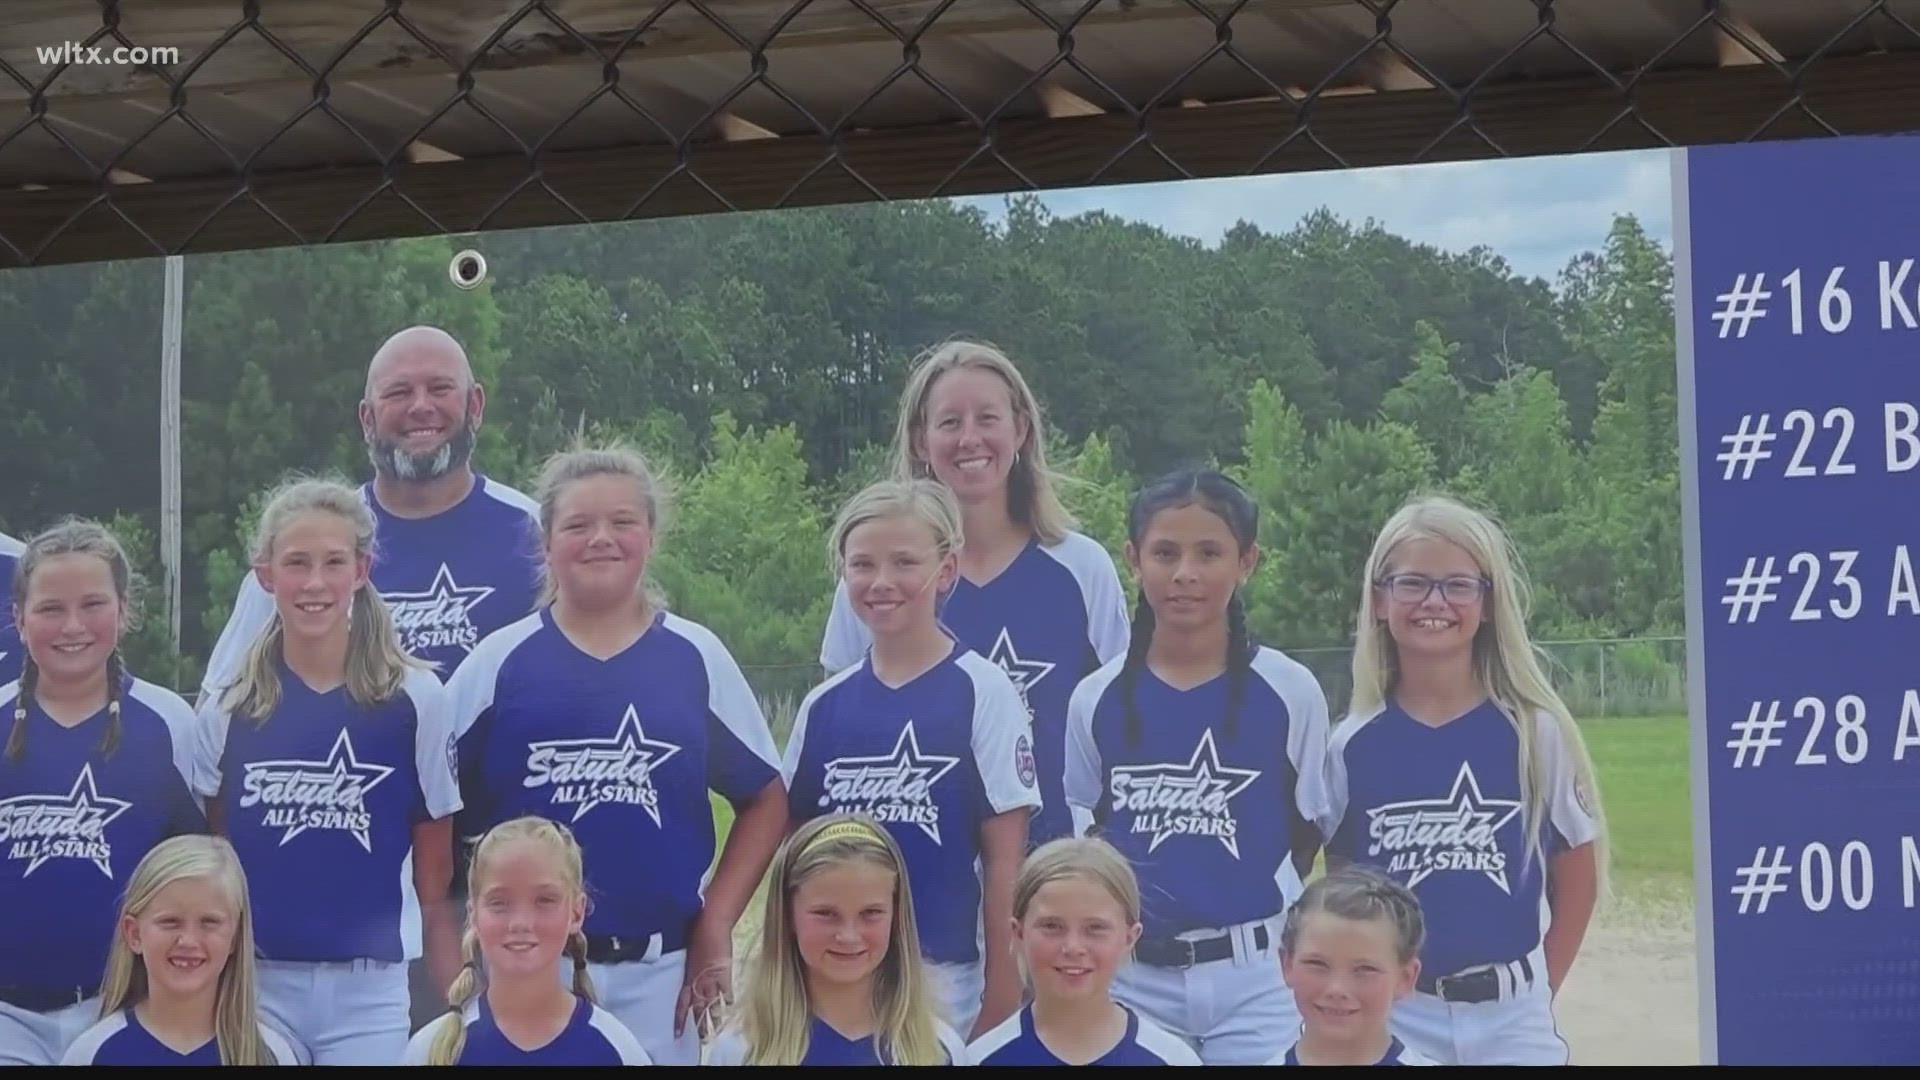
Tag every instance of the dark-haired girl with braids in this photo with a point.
(513, 1002)
(1351, 949)
(329, 764)
(1198, 756)
(95, 775)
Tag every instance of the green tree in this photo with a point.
(744, 553)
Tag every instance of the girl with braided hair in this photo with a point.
(95, 774)
(512, 1003)
(1349, 951)
(1199, 756)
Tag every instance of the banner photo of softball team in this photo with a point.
(1226, 622)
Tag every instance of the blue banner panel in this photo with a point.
(1798, 303)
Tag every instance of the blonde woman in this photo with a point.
(929, 738)
(328, 765)
(1453, 719)
(838, 979)
(95, 774)
(524, 996)
(1076, 917)
(179, 988)
(1036, 598)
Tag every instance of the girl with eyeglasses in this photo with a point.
(1460, 773)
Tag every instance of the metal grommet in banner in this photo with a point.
(468, 269)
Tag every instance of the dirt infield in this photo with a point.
(1632, 998)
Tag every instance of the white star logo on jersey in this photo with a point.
(586, 773)
(1194, 799)
(895, 787)
(329, 795)
(1026, 674)
(1459, 832)
(71, 826)
(440, 617)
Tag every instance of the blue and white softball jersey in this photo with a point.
(592, 1037)
(1201, 811)
(1439, 809)
(12, 652)
(449, 580)
(622, 751)
(74, 823)
(120, 1039)
(1015, 1042)
(1398, 1053)
(322, 800)
(1049, 619)
(931, 761)
(825, 1046)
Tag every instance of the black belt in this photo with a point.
(620, 948)
(1473, 988)
(1185, 953)
(43, 999)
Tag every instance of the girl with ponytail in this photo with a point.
(94, 775)
(329, 764)
(1198, 756)
(510, 1005)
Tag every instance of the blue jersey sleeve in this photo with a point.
(469, 713)
(741, 758)
(184, 812)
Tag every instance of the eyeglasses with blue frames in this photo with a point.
(1415, 588)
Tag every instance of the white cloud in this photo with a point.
(1537, 213)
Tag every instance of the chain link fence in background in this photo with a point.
(282, 124)
(1599, 679)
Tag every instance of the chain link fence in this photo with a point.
(169, 126)
(1599, 678)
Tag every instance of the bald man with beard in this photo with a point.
(456, 555)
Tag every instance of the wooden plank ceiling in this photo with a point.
(355, 119)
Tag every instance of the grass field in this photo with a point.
(1645, 768)
(1645, 777)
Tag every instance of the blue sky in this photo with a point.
(1535, 212)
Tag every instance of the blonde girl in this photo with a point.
(524, 996)
(1076, 916)
(929, 738)
(1453, 716)
(327, 763)
(179, 988)
(95, 773)
(1032, 595)
(1350, 950)
(838, 978)
(607, 712)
